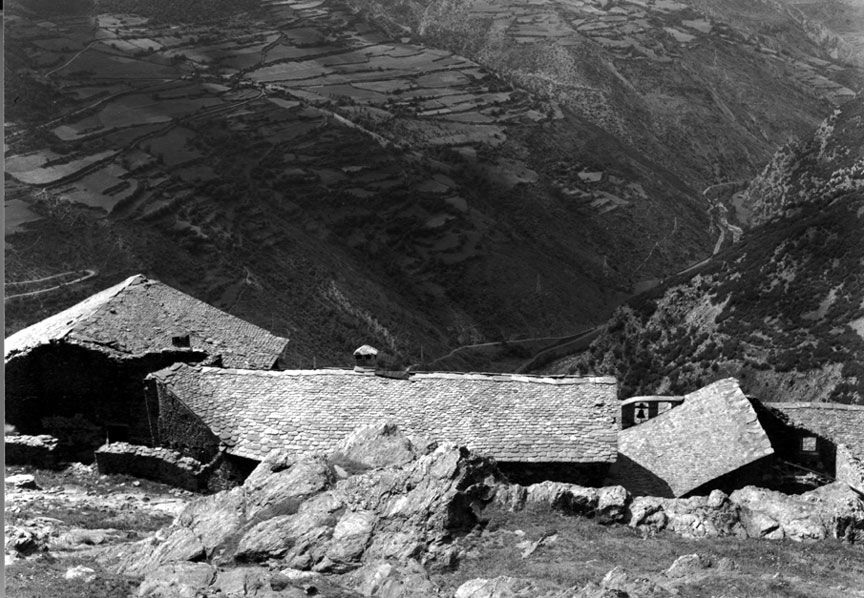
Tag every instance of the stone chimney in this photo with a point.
(366, 359)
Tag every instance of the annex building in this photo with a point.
(535, 427)
(79, 374)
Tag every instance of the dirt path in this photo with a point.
(71, 60)
(89, 274)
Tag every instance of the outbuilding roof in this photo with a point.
(141, 316)
(513, 418)
(839, 423)
(713, 432)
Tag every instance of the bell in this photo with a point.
(641, 413)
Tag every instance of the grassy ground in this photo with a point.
(576, 550)
(72, 500)
(43, 577)
(583, 551)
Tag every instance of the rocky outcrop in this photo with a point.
(833, 511)
(608, 504)
(709, 516)
(177, 580)
(39, 451)
(21, 481)
(298, 512)
(382, 532)
(375, 446)
(389, 579)
(498, 587)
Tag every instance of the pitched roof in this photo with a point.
(513, 418)
(140, 316)
(842, 424)
(713, 432)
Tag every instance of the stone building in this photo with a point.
(713, 438)
(637, 410)
(824, 438)
(79, 374)
(562, 428)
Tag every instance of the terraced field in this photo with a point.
(381, 183)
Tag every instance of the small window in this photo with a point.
(808, 444)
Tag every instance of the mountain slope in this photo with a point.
(783, 310)
(340, 181)
(333, 214)
(709, 89)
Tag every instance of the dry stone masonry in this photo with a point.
(527, 420)
(39, 451)
(154, 463)
(714, 432)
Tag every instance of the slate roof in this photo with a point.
(140, 316)
(842, 424)
(513, 418)
(713, 432)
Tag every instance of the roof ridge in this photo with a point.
(813, 405)
(119, 288)
(491, 377)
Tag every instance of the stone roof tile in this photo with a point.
(842, 424)
(713, 432)
(512, 418)
(132, 319)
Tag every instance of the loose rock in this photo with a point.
(85, 574)
(22, 481)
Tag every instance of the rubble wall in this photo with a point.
(179, 428)
(152, 463)
(59, 381)
(38, 451)
(850, 468)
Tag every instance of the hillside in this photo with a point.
(783, 310)
(338, 179)
(685, 82)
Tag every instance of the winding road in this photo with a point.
(88, 274)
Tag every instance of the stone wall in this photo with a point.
(178, 427)
(229, 472)
(585, 474)
(786, 439)
(39, 451)
(152, 463)
(713, 432)
(850, 468)
(66, 381)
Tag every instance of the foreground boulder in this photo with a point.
(22, 481)
(832, 511)
(374, 446)
(498, 587)
(607, 504)
(709, 516)
(384, 515)
(177, 580)
(389, 579)
(300, 514)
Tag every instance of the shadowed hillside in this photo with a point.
(338, 179)
(783, 310)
